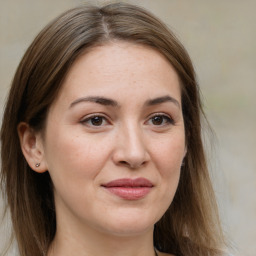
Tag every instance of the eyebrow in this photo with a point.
(95, 99)
(162, 99)
(109, 102)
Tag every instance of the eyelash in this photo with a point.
(90, 118)
(166, 118)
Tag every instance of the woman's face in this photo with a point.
(114, 140)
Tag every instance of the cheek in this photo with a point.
(74, 157)
(168, 154)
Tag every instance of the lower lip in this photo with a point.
(130, 193)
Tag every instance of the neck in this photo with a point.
(96, 243)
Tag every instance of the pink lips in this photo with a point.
(129, 189)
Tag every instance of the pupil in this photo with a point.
(96, 121)
(157, 120)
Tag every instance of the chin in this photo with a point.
(130, 225)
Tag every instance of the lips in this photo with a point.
(129, 189)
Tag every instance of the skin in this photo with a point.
(87, 144)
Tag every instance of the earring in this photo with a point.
(37, 164)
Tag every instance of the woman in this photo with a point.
(101, 141)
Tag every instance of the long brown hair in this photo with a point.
(191, 225)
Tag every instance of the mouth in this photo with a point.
(129, 189)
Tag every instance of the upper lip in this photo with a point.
(139, 182)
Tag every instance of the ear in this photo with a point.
(32, 147)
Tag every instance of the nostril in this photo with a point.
(123, 162)
(132, 165)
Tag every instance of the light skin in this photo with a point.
(118, 115)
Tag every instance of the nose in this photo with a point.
(131, 148)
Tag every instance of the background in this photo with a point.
(220, 37)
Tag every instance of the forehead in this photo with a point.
(119, 66)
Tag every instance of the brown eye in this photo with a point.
(157, 120)
(160, 120)
(97, 121)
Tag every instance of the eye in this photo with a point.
(160, 120)
(95, 121)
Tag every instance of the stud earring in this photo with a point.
(37, 164)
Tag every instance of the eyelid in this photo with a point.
(91, 116)
(168, 120)
(162, 114)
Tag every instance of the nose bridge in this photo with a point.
(133, 139)
(131, 146)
